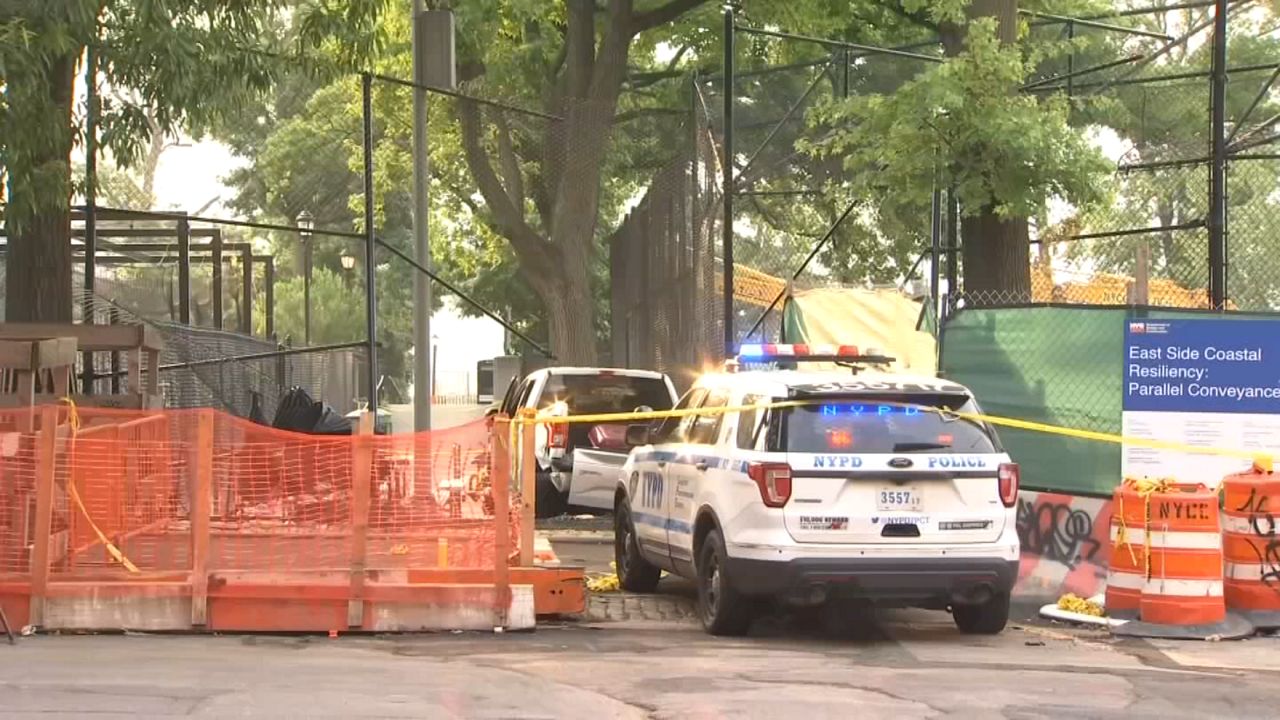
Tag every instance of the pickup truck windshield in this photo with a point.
(590, 394)
(882, 425)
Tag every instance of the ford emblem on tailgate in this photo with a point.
(900, 463)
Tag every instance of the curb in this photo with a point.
(592, 537)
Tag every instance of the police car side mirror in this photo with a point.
(637, 435)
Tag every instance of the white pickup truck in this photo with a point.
(578, 463)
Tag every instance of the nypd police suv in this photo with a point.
(835, 485)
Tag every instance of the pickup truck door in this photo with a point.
(595, 477)
(649, 487)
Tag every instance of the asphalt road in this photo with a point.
(893, 664)
(915, 666)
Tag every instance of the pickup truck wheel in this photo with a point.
(635, 574)
(988, 618)
(723, 611)
(548, 502)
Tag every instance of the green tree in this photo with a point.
(965, 124)
(172, 65)
(1166, 124)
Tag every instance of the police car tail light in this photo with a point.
(774, 481)
(1010, 478)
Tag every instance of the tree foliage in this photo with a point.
(178, 65)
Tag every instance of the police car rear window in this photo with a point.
(881, 425)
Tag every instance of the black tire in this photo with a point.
(722, 609)
(635, 574)
(548, 502)
(988, 618)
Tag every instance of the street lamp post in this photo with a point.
(306, 221)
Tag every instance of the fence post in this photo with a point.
(500, 487)
(201, 510)
(46, 442)
(215, 247)
(528, 485)
(729, 190)
(361, 481)
(184, 271)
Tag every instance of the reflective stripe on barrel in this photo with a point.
(1184, 585)
(1126, 570)
(1250, 545)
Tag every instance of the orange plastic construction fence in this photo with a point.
(199, 498)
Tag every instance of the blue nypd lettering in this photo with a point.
(837, 462)
(957, 462)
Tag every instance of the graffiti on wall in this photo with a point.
(1065, 543)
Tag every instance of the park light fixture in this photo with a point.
(348, 261)
(306, 221)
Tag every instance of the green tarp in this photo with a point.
(1056, 365)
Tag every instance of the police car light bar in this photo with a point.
(809, 353)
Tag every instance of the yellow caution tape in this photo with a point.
(1260, 460)
(73, 420)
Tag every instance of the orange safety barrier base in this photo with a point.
(418, 600)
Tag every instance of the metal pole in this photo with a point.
(844, 85)
(116, 369)
(184, 271)
(246, 291)
(727, 230)
(90, 203)
(424, 379)
(269, 288)
(216, 245)
(371, 255)
(953, 249)
(306, 289)
(935, 250)
(1071, 58)
(1218, 168)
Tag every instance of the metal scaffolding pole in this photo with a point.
(727, 168)
(371, 247)
(1218, 169)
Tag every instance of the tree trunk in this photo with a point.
(997, 259)
(571, 321)
(38, 267)
(995, 250)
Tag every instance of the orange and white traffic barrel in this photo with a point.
(1251, 545)
(1127, 568)
(1184, 565)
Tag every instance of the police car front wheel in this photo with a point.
(635, 574)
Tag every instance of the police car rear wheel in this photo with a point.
(635, 574)
(722, 610)
(988, 618)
